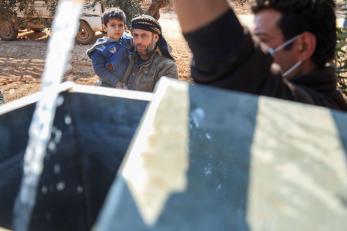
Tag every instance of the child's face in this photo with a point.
(114, 29)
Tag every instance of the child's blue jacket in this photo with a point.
(110, 58)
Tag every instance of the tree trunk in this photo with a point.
(156, 5)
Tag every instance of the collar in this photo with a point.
(104, 41)
(321, 80)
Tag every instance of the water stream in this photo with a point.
(64, 28)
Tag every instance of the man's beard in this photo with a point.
(148, 49)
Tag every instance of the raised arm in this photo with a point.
(224, 54)
(193, 14)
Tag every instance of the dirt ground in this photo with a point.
(22, 61)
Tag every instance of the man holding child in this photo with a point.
(134, 63)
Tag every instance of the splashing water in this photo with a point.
(67, 120)
(79, 189)
(57, 169)
(197, 116)
(65, 26)
(57, 135)
(52, 147)
(61, 186)
(44, 189)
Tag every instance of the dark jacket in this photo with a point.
(110, 58)
(143, 76)
(236, 62)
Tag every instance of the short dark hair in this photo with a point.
(114, 13)
(298, 16)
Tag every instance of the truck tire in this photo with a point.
(9, 28)
(85, 34)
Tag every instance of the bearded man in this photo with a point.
(151, 58)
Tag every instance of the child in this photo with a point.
(110, 54)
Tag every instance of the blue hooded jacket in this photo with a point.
(110, 58)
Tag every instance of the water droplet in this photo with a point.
(200, 113)
(52, 146)
(60, 101)
(208, 170)
(208, 136)
(68, 120)
(79, 189)
(44, 189)
(197, 116)
(57, 169)
(57, 135)
(60, 186)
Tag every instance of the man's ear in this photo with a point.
(307, 45)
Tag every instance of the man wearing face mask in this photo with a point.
(151, 58)
(290, 58)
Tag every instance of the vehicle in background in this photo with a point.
(38, 16)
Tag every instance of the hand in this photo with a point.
(121, 85)
(109, 67)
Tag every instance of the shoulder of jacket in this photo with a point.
(126, 41)
(165, 61)
(103, 41)
(100, 42)
(127, 36)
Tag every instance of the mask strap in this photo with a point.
(272, 51)
(290, 70)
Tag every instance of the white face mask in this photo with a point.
(272, 52)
